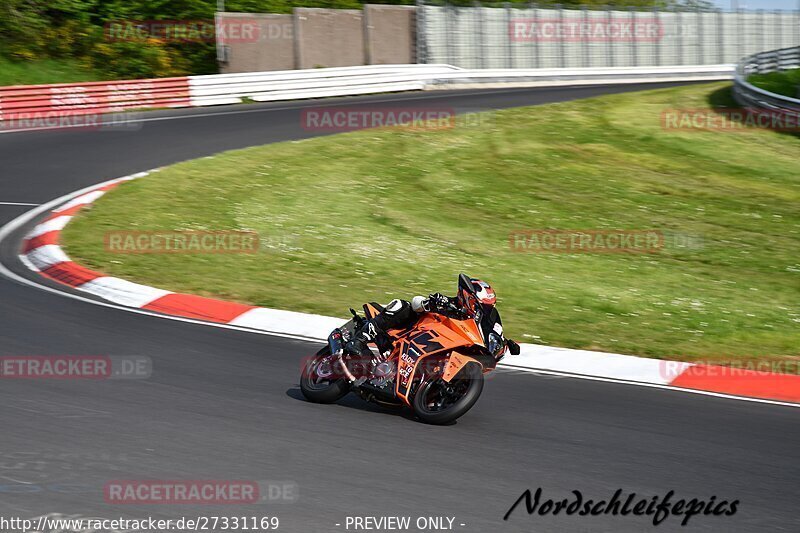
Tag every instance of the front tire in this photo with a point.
(319, 383)
(438, 402)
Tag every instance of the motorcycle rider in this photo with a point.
(401, 314)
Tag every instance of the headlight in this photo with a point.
(495, 345)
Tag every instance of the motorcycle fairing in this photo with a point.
(432, 334)
(455, 363)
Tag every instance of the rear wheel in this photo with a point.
(321, 383)
(439, 402)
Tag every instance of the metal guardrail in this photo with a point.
(752, 97)
(32, 102)
(579, 76)
(347, 81)
(24, 103)
(773, 61)
(218, 89)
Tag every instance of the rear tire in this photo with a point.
(316, 388)
(433, 405)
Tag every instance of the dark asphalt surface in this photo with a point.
(225, 404)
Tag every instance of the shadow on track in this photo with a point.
(352, 402)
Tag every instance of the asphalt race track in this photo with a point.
(224, 404)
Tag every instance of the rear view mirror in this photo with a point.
(513, 347)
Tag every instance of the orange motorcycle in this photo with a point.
(436, 366)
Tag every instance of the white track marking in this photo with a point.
(123, 292)
(54, 224)
(46, 256)
(19, 203)
(26, 217)
(80, 200)
(649, 385)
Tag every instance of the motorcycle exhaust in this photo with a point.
(350, 377)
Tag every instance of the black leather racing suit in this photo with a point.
(398, 314)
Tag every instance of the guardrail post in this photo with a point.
(481, 39)
(679, 25)
(448, 34)
(740, 36)
(298, 38)
(536, 61)
(584, 38)
(797, 29)
(456, 27)
(509, 43)
(419, 32)
(609, 43)
(367, 35)
(634, 47)
(657, 45)
(720, 37)
(701, 60)
(220, 45)
(561, 51)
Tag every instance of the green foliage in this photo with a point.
(44, 71)
(786, 83)
(132, 59)
(74, 29)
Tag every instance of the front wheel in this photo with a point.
(439, 402)
(321, 383)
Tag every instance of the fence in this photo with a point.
(533, 37)
(751, 96)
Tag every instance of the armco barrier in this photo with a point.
(25, 101)
(750, 96)
(311, 83)
(21, 102)
(580, 76)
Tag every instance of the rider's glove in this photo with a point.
(438, 301)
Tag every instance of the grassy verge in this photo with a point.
(375, 214)
(786, 83)
(44, 71)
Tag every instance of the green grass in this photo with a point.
(374, 214)
(786, 83)
(44, 71)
